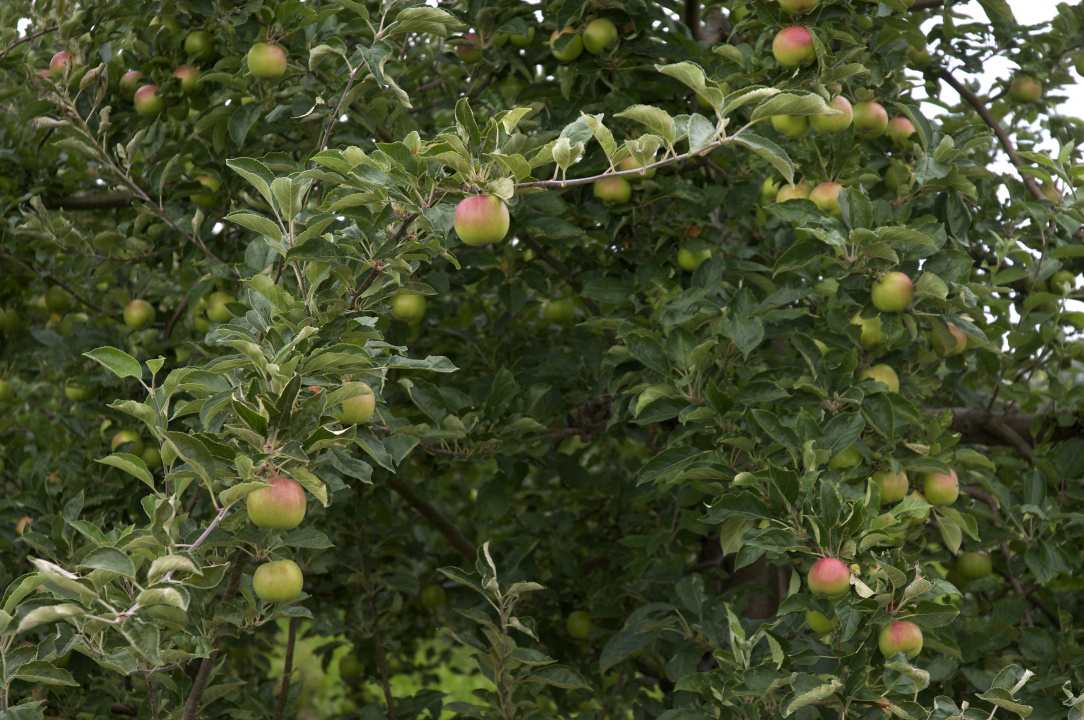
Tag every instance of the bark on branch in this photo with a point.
(435, 518)
(90, 201)
(979, 427)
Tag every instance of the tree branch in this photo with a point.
(926, 4)
(979, 427)
(28, 38)
(90, 201)
(980, 107)
(435, 517)
(287, 670)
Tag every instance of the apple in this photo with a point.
(944, 350)
(798, 191)
(57, 299)
(470, 50)
(1062, 282)
(266, 60)
(845, 458)
(630, 163)
(148, 102)
(884, 374)
(79, 391)
(828, 124)
(1024, 89)
(277, 581)
(7, 393)
(579, 624)
(207, 199)
(820, 624)
(974, 565)
(279, 507)
(871, 334)
(919, 58)
(898, 175)
(941, 489)
(218, 310)
(799, 7)
(829, 578)
(898, 130)
(200, 44)
(23, 524)
(613, 189)
(826, 197)
(126, 437)
(892, 292)
(901, 636)
(189, 77)
(151, 457)
(893, 486)
(598, 35)
(360, 408)
(572, 49)
(562, 312)
(138, 314)
(59, 63)
(350, 668)
(520, 40)
(870, 120)
(500, 40)
(793, 47)
(433, 596)
(481, 219)
(793, 126)
(689, 260)
(129, 81)
(769, 190)
(408, 307)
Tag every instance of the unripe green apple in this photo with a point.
(562, 312)
(974, 565)
(769, 190)
(200, 44)
(826, 197)
(579, 624)
(12, 321)
(189, 77)
(793, 126)
(218, 310)
(799, 7)
(279, 507)
(918, 58)
(882, 373)
(148, 102)
(794, 191)
(128, 436)
(892, 292)
(901, 636)
(481, 219)
(57, 299)
(500, 40)
(689, 260)
(898, 175)
(871, 333)
(469, 50)
(521, 41)
(1062, 282)
(129, 81)
(278, 581)
(829, 578)
(793, 47)
(79, 391)
(433, 596)
(1025, 89)
(893, 486)
(138, 314)
(570, 51)
(599, 34)
(350, 667)
(408, 307)
(151, 457)
(847, 457)
(820, 624)
(828, 124)
(899, 130)
(360, 408)
(266, 60)
(870, 120)
(59, 63)
(630, 163)
(941, 489)
(613, 189)
(7, 393)
(207, 199)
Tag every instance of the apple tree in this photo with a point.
(558, 359)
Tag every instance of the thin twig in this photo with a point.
(287, 670)
(28, 38)
(435, 518)
(374, 612)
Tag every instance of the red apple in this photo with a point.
(828, 124)
(829, 578)
(892, 292)
(944, 349)
(870, 120)
(901, 636)
(1024, 89)
(469, 50)
(793, 47)
(899, 130)
(59, 63)
(266, 60)
(793, 126)
(826, 197)
(794, 191)
(129, 81)
(613, 189)
(599, 34)
(941, 489)
(481, 219)
(974, 565)
(189, 77)
(359, 408)
(279, 507)
(23, 524)
(893, 486)
(884, 374)
(148, 102)
(278, 581)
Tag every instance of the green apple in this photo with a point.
(883, 374)
(613, 189)
(481, 219)
(892, 292)
(522, 40)
(820, 624)
(974, 565)
(1025, 89)
(129, 81)
(769, 190)
(942, 347)
(433, 596)
(793, 47)
(148, 102)
(562, 311)
(79, 391)
(799, 7)
(408, 306)
(598, 35)
(200, 45)
(826, 197)
(130, 438)
(871, 333)
(469, 50)
(829, 124)
(579, 624)
(59, 63)
(848, 457)
(278, 581)
(22, 524)
(218, 310)
(829, 578)
(207, 198)
(630, 163)
(151, 457)
(571, 50)
(941, 489)
(57, 299)
(189, 77)
(918, 58)
(870, 120)
(279, 507)
(901, 636)
(1062, 282)
(793, 126)
(266, 60)
(360, 408)
(899, 131)
(894, 486)
(7, 393)
(689, 260)
(793, 191)
(138, 314)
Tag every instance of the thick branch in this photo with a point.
(979, 427)
(692, 18)
(926, 4)
(980, 107)
(435, 518)
(90, 201)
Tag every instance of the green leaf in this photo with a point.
(667, 464)
(256, 223)
(307, 538)
(241, 120)
(768, 150)
(792, 104)
(310, 482)
(560, 676)
(815, 695)
(110, 560)
(121, 363)
(48, 614)
(656, 120)
(649, 352)
(170, 564)
(258, 175)
(426, 21)
(132, 465)
(163, 596)
(602, 134)
(240, 491)
(40, 672)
